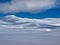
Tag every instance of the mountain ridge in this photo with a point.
(13, 22)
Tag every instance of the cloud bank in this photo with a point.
(27, 6)
(11, 22)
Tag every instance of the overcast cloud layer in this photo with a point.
(27, 6)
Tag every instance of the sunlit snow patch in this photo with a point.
(48, 30)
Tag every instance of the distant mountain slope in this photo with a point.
(13, 22)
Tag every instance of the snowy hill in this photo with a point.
(13, 22)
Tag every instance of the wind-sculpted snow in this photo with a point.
(11, 22)
(24, 31)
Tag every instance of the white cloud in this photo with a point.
(17, 23)
(27, 6)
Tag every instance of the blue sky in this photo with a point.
(53, 12)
